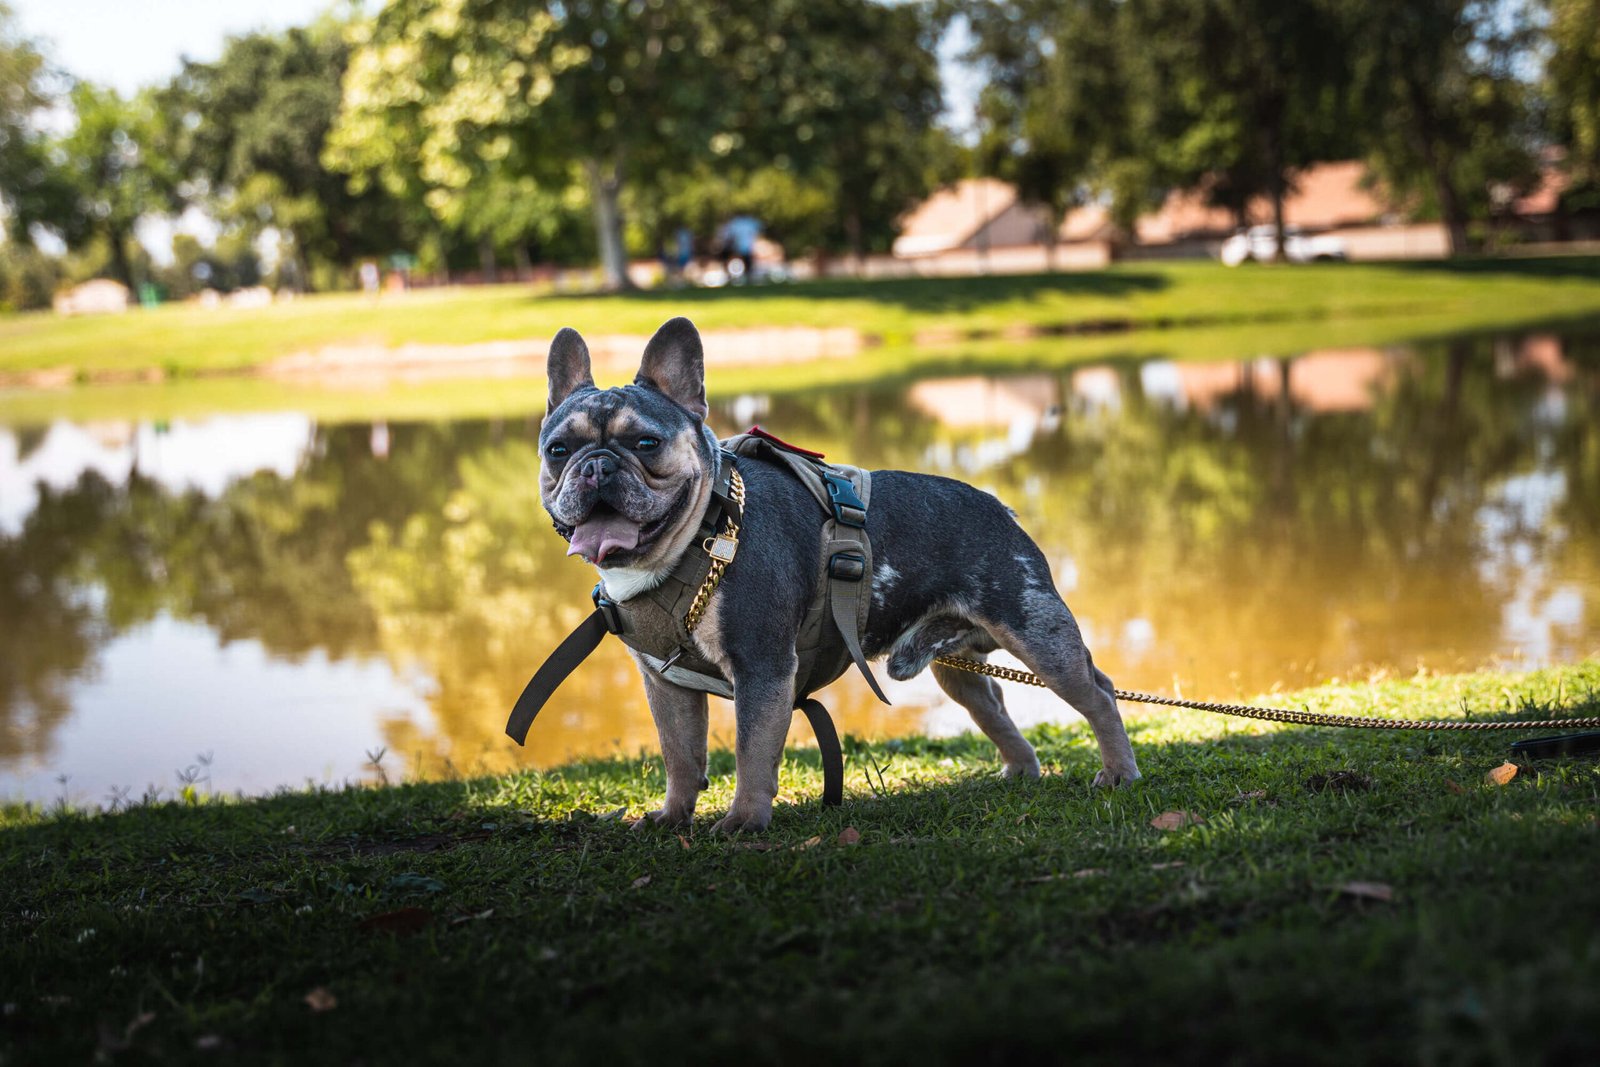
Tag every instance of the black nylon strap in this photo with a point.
(562, 662)
(828, 744)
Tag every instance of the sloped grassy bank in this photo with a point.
(1348, 897)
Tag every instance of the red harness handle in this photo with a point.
(756, 431)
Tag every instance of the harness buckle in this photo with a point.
(848, 509)
(847, 566)
(608, 610)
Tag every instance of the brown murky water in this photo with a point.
(256, 601)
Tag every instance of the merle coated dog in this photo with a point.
(627, 475)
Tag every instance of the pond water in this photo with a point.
(253, 601)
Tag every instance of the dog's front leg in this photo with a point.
(763, 705)
(680, 716)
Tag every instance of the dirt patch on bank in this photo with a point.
(374, 364)
(359, 364)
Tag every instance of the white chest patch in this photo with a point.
(625, 583)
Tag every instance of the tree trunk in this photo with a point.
(1277, 184)
(1444, 186)
(853, 234)
(1052, 238)
(605, 187)
(519, 252)
(120, 264)
(302, 266)
(486, 262)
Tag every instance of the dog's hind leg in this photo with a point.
(983, 700)
(1042, 633)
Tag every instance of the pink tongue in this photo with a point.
(599, 536)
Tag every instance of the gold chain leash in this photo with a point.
(1299, 718)
(719, 561)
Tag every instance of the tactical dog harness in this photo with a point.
(659, 624)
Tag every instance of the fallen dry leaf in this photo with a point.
(810, 842)
(684, 841)
(321, 999)
(1454, 786)
(1175, 820)
(849, 836)
(641, 881)
(1503, 773)
(1368, 890)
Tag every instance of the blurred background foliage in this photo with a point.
(491, 134)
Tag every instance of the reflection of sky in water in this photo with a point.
(1519, 537)
(146, 700)
(167, 693)
(205, 455)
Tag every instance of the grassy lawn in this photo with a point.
(183, 340)
(977, 919)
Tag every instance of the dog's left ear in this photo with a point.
(675, 363)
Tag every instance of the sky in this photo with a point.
(133, 43)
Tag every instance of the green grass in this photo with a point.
(514, 919)
(181, 340)
(485, 398)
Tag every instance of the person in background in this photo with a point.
(742, 231)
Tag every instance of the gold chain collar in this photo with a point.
(721, 548)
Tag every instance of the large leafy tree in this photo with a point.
(440, 93)
(1262, 88)
(1572, 88)
(27, 189)
(111, 170)
(1446, 108)
(255, 125)
(443, 95)
(1057, 114)
(1122, 98)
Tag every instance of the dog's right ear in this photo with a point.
(568, 369)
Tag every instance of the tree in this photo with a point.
(435, 100)
(110, 171)
(1263, 88)
(1055, 109)
(1448, 113)
(1572, 88)
(256, 123)
(26, 89)
(1123, 98)
(632, 95)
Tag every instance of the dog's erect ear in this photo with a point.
(675, 363)
(568, 369)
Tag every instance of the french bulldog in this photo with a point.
(626, 475)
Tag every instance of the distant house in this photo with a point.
(980, 225)
(971, 215)
(102, 296)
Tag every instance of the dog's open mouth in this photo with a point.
(608, 537)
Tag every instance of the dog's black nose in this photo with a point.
(599, 467)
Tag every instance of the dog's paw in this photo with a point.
(665, 817)
(1110, 779)
(739, 821)
(1028, 769)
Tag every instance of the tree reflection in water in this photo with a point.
(1226, 527)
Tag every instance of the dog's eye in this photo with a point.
(555, 450)
(648, 444)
